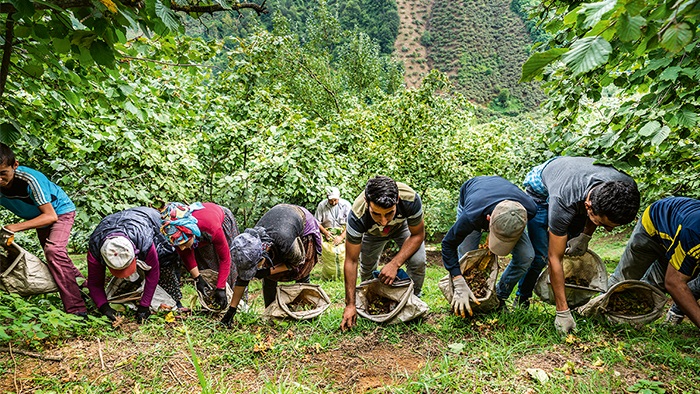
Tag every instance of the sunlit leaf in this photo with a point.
(649, 128)
(661, 136)
(167, 16)
(594, 11)
(587, 53)
(676, 37)
(538, 61)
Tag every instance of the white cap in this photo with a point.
(333, 193)
(118, 254)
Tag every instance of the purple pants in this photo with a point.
(54, 240)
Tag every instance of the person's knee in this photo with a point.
(54, 252)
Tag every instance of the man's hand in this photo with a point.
(202, 285)
(349, 318)
(337, 240)
(227, 320)
(461, 297)
(7, 236)
(108, 311)
(220, 298)
(388, 273)
(142, 314)
(577, 246)
(564, 322)
(262, 273)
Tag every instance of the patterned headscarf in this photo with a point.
(177, 223)
(248, 249)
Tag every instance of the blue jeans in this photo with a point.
(522, 253)
(538, 232)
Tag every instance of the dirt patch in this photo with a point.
(367, 363)
(413, 19)
(570, 360)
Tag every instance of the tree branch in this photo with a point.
(8, 8)
(6, 52)
(211, 8)
(125, 59)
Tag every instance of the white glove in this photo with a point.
(564, 322)
(577, 246)
(461, 297)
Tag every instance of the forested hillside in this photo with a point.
(481, 45)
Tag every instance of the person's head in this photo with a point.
(506, 224)
(179, 226)
(119, 256)
(8, 165)
(612, 204)
(382, 196)
(247, 254)
(333, 196)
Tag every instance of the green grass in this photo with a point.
(440, 353)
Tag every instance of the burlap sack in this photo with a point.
(482, 260)
(205, 300)
(332, 261)
(401, 304)
(124, 291)
(588, 269)
(298, 301)
(23, 273)
(653, 299)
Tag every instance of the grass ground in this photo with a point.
(441, 353)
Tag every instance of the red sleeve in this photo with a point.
(187, 257)
(218, 239)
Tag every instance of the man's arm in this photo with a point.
(677, 285)
(557, 245)
(326, 234)
(388, 273)
(47, 217)
(352, 256)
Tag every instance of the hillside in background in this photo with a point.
(481, 45)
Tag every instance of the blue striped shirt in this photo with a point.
(31, 189)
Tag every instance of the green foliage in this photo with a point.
(624, 86)
(33, 322)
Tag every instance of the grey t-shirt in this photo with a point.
(568, 181)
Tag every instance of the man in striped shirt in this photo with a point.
(385, 211)
(664, 251)
(45, 207)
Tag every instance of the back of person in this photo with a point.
(29, 190)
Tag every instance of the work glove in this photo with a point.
(6, 236)
(219, 298)
(577, 246)
(202, 285)
(564, 322)
(142, 314)
(262, 273)
(108, 311)
(461, 297)
(228, 317)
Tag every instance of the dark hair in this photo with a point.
(7, 156)
(205, 237)
(382, 191)
(617, 201)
